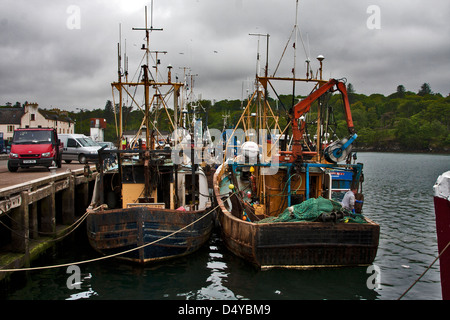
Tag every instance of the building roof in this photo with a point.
(55, 115)
(13, 115)
(10, 115)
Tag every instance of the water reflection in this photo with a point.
(398, 189)
(398, 196)
(215, 287)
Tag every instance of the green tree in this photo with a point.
(425, 89)
(401, 89)
(406, 133)
(109, 112)
(400, 92)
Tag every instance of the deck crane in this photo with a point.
(336, 151)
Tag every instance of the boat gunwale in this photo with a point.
(219, 173)
(147, 208)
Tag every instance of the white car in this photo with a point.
(79, 147)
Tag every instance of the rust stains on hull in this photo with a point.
(155, 231)
(297, 244)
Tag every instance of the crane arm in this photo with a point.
(304, 106)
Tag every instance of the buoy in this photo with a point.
(231, 186)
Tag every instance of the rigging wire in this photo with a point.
(295, 30)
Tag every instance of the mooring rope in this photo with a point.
(111, 255)
(77, 223)
(426, 270)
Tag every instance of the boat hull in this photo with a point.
(158, 232)
(296, 244)
(442, 213)
(300, 244)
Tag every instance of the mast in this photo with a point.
(148, 81)
(261, 109)
(119, 75)
(146, 73)
(148, 143)
(295, 52)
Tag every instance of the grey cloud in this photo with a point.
(44, 61)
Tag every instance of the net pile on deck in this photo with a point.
(316, 209)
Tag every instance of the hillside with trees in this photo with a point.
(403, 121)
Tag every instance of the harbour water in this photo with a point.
(398, 196)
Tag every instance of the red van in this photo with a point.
(32, 147)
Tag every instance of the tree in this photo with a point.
(401, 91)
(350, 93)
(109, 112)
(425, 89)
(350, 88)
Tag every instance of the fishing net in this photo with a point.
(316, 209)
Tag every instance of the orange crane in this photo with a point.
(337, 150)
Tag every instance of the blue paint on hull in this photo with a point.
(119, 230)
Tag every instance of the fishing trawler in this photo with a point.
(149, 207)
(277, 194)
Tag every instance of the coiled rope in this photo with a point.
(111, 255)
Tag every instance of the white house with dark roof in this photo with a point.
(30, 116)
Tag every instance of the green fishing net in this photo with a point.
(316, 209)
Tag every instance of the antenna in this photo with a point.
(295, 31)
(295, 41)
(267, 54)
(119, 54)
(295, 51)
(126, 62)
(151, 18)
(147, 30)
(157, 62)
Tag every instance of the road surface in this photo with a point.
(23, 175)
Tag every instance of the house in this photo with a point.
(10, 119)
(30, 116)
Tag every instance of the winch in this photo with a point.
(339, 149)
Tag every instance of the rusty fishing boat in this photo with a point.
(149, 207)
(278, 193)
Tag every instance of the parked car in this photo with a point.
(79, 147)
(2, 144)
(32, 147)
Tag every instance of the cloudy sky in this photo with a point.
(63, 54)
